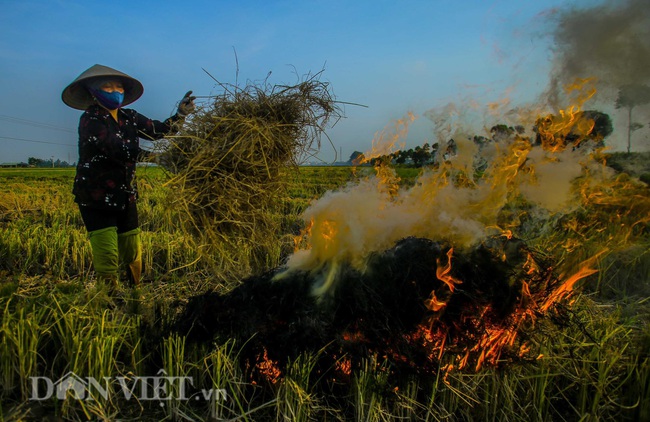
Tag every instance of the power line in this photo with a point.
(34, 123)
(35, 141)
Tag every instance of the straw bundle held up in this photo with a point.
(228, 165)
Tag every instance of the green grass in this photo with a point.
(37, 173)
(55, 319)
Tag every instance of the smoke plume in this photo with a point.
(604, 46)
(610, 42)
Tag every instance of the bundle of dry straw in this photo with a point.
(228, 166)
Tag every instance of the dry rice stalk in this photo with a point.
(227, 165)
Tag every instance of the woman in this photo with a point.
(109, 148)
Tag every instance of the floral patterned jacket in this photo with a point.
(108, 153)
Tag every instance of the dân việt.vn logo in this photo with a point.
(160, 387)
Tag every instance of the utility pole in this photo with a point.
(52, 161)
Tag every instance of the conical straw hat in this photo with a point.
(76, 95)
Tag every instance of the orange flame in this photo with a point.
(344, 365)
(268, 367)
(354, 336)
(531, 267)
(304, 233)
(442, 273)
(553, 130)
(566, 289)
(434, 304)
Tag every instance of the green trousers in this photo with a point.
(110, 250)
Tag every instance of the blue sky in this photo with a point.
(392, 56)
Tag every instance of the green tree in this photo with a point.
(501, 132)
(629, 96)
(602, 125)
(401, 157)
(421, 155)
(33, 161)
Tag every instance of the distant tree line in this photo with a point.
(589, 125)
(39, 162)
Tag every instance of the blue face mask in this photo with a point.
(110, 100)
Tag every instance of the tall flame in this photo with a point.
(385, 142)
(444, 273)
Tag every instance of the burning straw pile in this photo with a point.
(403, 307)
(229, 167)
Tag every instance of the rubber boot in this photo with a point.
(105, 255)
(130, 253)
